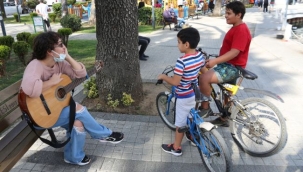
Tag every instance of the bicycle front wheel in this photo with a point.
(166, 110)
(259, 128)
(217, 157)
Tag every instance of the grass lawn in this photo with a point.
(86, 54)
(142, 28)
(148, 28)
(24, 19)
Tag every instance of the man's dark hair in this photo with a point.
(237, 7)
(43, 43)
(190, 35)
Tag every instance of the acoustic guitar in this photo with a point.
(45, 110)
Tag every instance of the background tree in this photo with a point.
(117, 36)
(217, 9)
(92, 17)
(64, 7)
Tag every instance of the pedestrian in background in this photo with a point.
(265, 6)
(42, 10)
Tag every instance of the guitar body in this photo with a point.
(36, 109)
(45, 112)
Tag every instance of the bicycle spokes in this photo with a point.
(258, 127)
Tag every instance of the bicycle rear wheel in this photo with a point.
(218, 157)
(162, 105)
(259, 128)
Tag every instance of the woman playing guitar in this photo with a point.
(49, 64)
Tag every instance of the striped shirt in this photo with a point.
(188, 67)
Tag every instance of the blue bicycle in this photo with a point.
(212, 148)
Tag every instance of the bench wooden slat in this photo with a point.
(9, 91)
(8, 106)
(14, 150)
(9, 119)
(12, 134)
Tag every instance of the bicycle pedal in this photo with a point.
(183, 129)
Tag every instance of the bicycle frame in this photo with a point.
(171, 95)
(229, 90)
(197, 121)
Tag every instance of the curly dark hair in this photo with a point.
(43, 43)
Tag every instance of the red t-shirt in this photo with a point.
(238, 37)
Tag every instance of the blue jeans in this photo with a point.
(181, 21)
(74, 149)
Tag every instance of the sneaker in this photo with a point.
(85, 160)
(219, 122)
(169, 148)
(115, 137)
(204, 113)
(189, 138)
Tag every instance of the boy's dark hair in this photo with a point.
(237, 7)
(190, 35)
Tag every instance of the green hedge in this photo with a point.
(145, 15)
(71, 21)
(23, 36)
(21, 50)
(8, 41)
(57, 9)
(64, 33)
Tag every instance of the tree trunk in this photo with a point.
(217, 9)
(92, 17)
(117, 36)
(64, 8)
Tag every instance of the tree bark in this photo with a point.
(117, 36)
(217, 9)
(64, 8)
(92, 17)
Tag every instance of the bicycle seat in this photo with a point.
(246, 73)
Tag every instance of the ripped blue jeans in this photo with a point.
(74, 149)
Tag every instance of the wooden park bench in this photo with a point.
(16, 137)
(194, 12)
(165, 23)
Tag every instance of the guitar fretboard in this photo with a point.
(78, 81)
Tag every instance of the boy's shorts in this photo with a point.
(226, 72)
(183, 107)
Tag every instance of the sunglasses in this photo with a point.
(59, 45)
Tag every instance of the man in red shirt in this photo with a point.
(234, 52)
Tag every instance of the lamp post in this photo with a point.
(153, 14)
(16, 3)
(2, 24)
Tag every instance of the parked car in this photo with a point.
(10, 10)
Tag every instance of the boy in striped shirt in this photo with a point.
(186, 71)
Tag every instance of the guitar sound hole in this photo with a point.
(61, 93)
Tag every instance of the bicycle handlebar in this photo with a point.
(169, 69)
(166, 71)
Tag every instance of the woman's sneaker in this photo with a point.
(115, 137)
(169, 148)
(85, 160)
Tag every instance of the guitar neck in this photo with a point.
(68, 88)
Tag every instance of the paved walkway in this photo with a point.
(278, 65)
